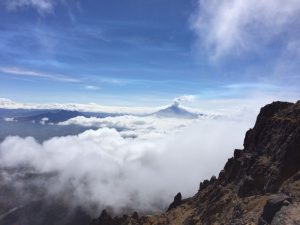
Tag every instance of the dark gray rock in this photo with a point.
(177, 201)
(273, 205)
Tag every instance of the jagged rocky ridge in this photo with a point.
(260, 184)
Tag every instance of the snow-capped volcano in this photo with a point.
(176, 110)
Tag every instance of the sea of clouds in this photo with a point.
(130, 162)
(142, 127)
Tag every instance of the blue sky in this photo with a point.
(146, 52)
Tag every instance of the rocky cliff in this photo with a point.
(260, 184)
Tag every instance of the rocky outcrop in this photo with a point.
(177, 202)
(106, 219)
(260, 184)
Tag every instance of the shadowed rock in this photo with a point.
(273, 205)
(177, 202)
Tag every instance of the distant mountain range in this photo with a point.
(47, 116)
(52, 116)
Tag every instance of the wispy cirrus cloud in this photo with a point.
(233, 27)
(16, 71)
(255, 86)
(42, 6)
(91, 87)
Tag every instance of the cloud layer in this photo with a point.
(105, 169)
(6, 103)
(146, 127)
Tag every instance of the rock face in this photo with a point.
(260, 184)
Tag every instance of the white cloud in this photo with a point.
(24, 72)
(44, 120)
(9, 119)
(105, 169)
(146, 127)
(257, 86)
(91, 107)
(42, 6)
(91, 87)
(184, 98)
(234, 26)
(6, 101)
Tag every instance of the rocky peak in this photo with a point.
(177, 202)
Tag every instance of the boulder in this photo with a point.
(273, 205)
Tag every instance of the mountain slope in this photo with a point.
(260, 184)
(176, 111)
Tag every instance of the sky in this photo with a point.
(147, 52)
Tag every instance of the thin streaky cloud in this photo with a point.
(91, 87)
(42, 6)
(24, 72)
(251, 85)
